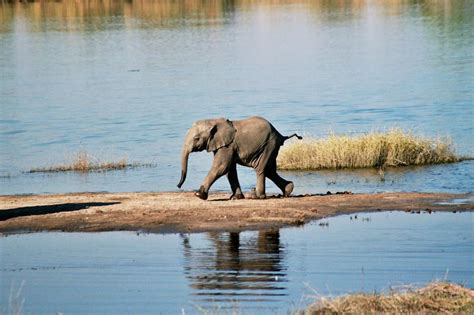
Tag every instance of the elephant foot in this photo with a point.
(201, 193)
(237, 196)
(289, 189)
(254, 195)
(258, 197)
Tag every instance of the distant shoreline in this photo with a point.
(182, 212)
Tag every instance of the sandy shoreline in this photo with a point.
(167, 212)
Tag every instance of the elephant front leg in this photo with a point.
(234, 183)
(220, 166)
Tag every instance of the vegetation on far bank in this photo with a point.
(84, 162)
(375, 149)
(435, 298)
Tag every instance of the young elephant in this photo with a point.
(252, 142)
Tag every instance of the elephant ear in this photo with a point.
(222, 134)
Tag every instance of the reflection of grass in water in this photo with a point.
(437, 297)
(376, 149)
(15, 301)
(85, 162)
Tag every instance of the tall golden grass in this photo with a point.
(84, 162)
(376, 149)
(435, 298)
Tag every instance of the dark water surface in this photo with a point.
(127, 78)
(265, 271)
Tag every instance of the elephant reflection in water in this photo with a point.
(234, 263)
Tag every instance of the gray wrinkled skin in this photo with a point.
(251, 142)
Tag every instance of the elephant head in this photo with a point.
(210, 135)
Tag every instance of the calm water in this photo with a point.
(126, 79)
(269, 271)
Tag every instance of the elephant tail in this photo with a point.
(293, 135)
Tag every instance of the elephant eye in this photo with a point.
(196, 138)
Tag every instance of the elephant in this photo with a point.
(251, 142)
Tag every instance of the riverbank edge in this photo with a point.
(435, 297)
(182, 212)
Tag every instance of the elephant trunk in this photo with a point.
(184, 166)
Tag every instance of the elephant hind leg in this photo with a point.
(234, 183)
(285, 186)
(289, 189)
(260, 187)
(259, 192)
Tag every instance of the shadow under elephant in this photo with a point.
(7, 214)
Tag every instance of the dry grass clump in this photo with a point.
(84, 162)
(436, 298)
(376, 149)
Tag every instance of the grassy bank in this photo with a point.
(436, 298)
(376, 149)
(85, 162)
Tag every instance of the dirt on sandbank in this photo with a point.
(183, 212)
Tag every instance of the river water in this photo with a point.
(251, 272)
(125, 79)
